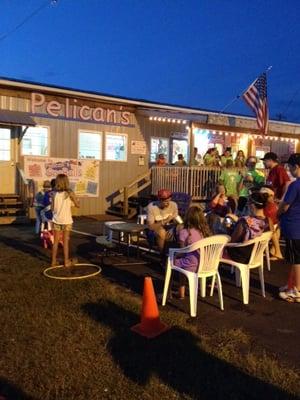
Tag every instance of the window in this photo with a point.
(179, 147)
(115, 147)
(90, 145)
(159, 146)
(4, 144)
(35, 142)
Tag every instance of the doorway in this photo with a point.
(179, 146)
(8, 143)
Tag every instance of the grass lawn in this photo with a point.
(71, 340)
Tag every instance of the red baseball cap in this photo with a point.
(164, 194)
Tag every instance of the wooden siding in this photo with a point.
(113, 175)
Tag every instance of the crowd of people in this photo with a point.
(244, 205)
(210, 159)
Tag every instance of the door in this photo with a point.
(179, 146)
(7, 162)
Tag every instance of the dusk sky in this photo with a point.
(197, 53)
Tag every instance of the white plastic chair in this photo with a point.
(242, 271)
(267, 251)
(210, 253)
(142, 219)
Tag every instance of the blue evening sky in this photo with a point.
(198, 53)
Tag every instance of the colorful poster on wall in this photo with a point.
(83, 174)
(138, 147)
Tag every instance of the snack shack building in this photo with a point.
(108, 145)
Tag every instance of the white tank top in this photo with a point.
(62, 214)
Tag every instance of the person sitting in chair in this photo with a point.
(160, 214)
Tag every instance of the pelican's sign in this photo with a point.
(70, 109)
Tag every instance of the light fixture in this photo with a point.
(151, 118)
(173, 120)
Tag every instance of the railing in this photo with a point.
(133, 188)
(24, 189)
(199, 182)
(136, 186)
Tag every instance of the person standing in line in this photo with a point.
(252, 178)
(161, 160)
(240, 159)
(289, 214)
(225, 157)
(196, 160)
(278, 178)
(230, 178)
(210, 158)
(180, 161)
(62, 201)
(39, 204)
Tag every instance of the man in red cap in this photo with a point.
(159, 214)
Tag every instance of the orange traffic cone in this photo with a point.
(150, 325)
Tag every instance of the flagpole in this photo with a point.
(239, 95)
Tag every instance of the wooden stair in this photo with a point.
(117, 209)
(12, 210)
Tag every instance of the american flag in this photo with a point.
(256, 98)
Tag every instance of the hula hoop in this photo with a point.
(70, 269)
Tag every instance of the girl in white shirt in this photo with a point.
(63, 200)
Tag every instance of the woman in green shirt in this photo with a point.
(250, 179)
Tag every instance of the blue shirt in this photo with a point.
(290, 220)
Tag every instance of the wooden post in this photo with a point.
(125, 202)
(191, 142)
(250, 147)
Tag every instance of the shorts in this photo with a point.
(292, 251)
(60, 227)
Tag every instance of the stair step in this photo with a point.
(11, 204)
(113, 212)
(14, 219)
(9, 196)
(11, 210)
(119, 211)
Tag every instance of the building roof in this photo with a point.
(140, 103)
